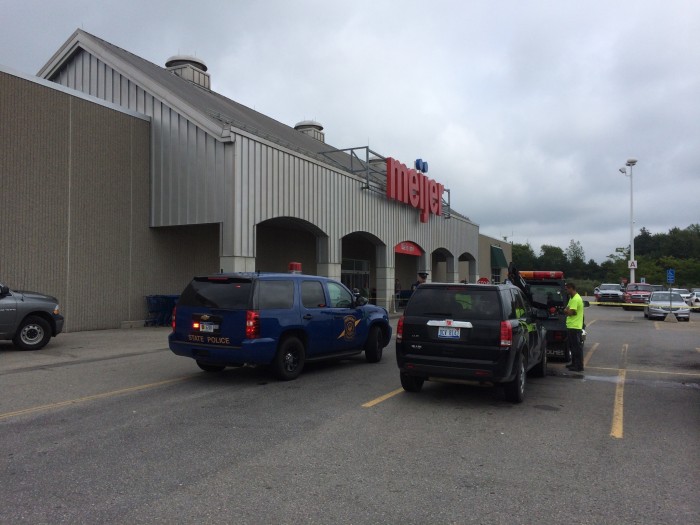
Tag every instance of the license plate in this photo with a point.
(208, 327)
(448, 333)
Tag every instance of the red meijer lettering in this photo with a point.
(413, 188)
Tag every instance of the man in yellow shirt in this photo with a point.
(574, 326)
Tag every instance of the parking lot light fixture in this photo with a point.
(630, 163)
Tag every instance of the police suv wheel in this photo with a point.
(373, 346)
(289, 360)
(33, 334)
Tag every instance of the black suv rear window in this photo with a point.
(227, 293)
(454, 303)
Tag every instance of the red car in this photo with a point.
(636, 295)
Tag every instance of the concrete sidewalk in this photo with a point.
(94, 344)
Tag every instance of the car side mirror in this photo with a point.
(4, 289)
(360, 301)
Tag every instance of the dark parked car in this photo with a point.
(484, 333)
(30, 319)
(279, 319)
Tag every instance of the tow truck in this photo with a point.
(546, 290)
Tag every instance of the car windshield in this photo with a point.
(549, 294)
(609, 287)
(659, 297)
(681, 290)
(639, 288)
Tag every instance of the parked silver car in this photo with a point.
(662, 303)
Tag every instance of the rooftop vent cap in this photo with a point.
(181, 60)
(312, 129)
(306, 124)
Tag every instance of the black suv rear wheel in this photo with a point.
(411, 383)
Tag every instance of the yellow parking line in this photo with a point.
(68, 402)
(589, 354)
(617, 428)
(378, 400)
(637, 370)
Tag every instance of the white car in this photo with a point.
(684, 292)
(661, 303)
(694, 300)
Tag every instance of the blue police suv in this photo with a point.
(283, 320)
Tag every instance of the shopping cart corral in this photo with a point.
(160, 309)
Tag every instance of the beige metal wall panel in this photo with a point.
(75, 220)
(188, 163)
(34, 135)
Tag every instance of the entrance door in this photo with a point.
(354, 274)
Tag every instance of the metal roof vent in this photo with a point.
(190, 68)
(312, 129)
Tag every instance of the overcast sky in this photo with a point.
(525, 110)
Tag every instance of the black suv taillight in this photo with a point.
(173, 318)
(506, 334)
(252, 324)
(399, 330)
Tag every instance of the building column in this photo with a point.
(331, 270)
(385, 287)
(328, 259)
(231, 264)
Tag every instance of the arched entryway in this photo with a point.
(283, 240)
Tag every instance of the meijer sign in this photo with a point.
(412, 187)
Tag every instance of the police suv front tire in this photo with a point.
(373, 345)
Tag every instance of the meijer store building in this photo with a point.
(122, 179)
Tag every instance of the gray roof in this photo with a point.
(218, 112)
(213, 111)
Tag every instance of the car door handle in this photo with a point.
(308, 316)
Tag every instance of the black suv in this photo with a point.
(277, 319)
(484, 333)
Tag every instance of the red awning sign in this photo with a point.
(408, 248)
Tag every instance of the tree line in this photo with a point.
(679, 249)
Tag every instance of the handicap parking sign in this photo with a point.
(670, 275)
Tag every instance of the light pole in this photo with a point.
(630, 163)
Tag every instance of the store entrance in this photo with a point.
(354, 274)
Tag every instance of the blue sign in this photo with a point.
(422, 165)
(670, 275)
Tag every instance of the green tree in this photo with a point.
(524, 256)
(576, 258)
(552, 258)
